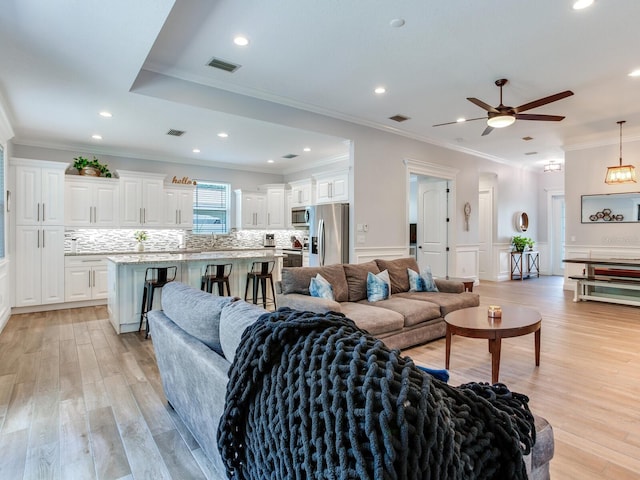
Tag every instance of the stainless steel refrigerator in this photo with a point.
(329, 234)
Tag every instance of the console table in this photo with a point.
(524, 264)
(613, 280)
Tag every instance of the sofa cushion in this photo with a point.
(356, 275)
(398, 272)
(374, 320)
(297, 280)
(196, 312)
(413, 311)
(448, 302)
(378, 286)
(321, 288)
(235, 318)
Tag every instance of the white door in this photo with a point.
(557, 234)
(485, 234)
(130, 202)
(106, 206)
(52, 195)
(275, 206)
(78, 204)
(28, 195)
(77, 284)
(432, 227)
(99, 282)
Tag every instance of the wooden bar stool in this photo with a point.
(216, 274)
(260, 273)
(154, 277)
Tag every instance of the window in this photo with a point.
(211, 207)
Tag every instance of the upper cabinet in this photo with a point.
(91, 202)
(251, 209)
(302, 193)
(39, 192)
(178, 206)
(332, 187)
(276, 217)
(141, 199)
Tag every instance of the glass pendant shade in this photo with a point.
(620, 173)
(553, 167)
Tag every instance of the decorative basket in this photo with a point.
(90, 172)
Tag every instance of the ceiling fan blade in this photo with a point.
(482, 105)
(543, 101)
(545, 118)
(487, 130)
(467, 120)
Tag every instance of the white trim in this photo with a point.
(419, 167)
(30, 162)
(367, 254)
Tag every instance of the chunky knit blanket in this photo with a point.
(311, 396)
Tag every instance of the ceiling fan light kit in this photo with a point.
(620, 173)
(500, 121)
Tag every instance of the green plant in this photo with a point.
(82, 162)
(140, 235)
(519, 242)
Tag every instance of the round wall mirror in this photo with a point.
(522, 221)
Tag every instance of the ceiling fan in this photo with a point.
(503, 115)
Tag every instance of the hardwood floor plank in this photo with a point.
(107, 362)
(70, 380)
(144, 456)
(108, 452)
(28, 369)
(20, 408)
(153, 408)
(95, 395)
(76, 457)
(124, 405)
(89, 368)
(43, 452)
(6, 387)
(177, 456)
(13, 446)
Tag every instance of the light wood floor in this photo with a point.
(79, 402)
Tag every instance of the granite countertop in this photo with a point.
(166, 252)
(194, 256)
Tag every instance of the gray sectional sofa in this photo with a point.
(195, 339)
(404, 320)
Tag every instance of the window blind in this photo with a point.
(211, 207)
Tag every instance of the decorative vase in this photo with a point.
(90, 171)
(140, 247)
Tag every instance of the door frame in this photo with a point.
(427, 169)
(550, 195)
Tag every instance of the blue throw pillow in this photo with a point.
(440, 374)
(320, 287)
(378, 286)
(421, 282)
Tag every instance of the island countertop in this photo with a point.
(196, 256)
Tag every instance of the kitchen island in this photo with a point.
(125, 277)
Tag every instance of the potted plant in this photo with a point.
(530, 243)
(519, 242)
(140, 236)
(91, 168)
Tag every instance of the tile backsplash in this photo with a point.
(92, 241)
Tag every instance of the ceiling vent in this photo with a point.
(289, 156)
(223, 65)
(175, 133)
(531, 153)
(526, 139)
(399, 118)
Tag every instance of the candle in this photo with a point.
(495, 311)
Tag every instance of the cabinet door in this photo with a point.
(130, 202)
(99, 283)
(152, 201)
(261, 211)
(28, 266)
(253, 211)
(28, 195)
(323, 191)
(52, 196)
(275, 208)
(185, 208)
(78, 204)
(171, 198)
(340, 188)
(106, 206)
(77, 284)
(52, 265)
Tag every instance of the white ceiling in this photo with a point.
(62, 62)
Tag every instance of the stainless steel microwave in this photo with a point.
(300, 216)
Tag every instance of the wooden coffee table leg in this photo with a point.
(495, 346)
(537, 340)
(448, 348)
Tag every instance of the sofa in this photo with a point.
(195, 338)
(405, 319)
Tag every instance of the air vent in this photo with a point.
(399, 118)
(175, 133)
(223, 65)
(526, 139)
(531, 153)
(289, 156)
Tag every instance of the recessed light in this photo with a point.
(196, 150)
(270, 161)
(96, 137)
(635, 73)
(461, 119)
(580, 4)
(223, 135)
(306, 149)
(380, 90)
(241, 41)
(106, 114)
(397, 22)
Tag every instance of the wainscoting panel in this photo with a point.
(467, 262)
(366, 254)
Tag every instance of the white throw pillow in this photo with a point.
(320, 287)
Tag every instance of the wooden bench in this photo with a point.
(613, 282)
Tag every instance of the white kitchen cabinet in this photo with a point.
(251, 209)
(332, 187)
(178, 206)
(91, 202)
(85, 278)
(39, 192)
(276, 217)
(39, 265)
(141, 199)
(302, 193)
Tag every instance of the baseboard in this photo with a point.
(57, 306)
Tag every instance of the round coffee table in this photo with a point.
(475, 322)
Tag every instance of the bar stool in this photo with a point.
(260, 272)
(217, 274)
(154, 277)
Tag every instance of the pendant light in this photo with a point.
(620, 173)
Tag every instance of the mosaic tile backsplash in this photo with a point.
(93, 241)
